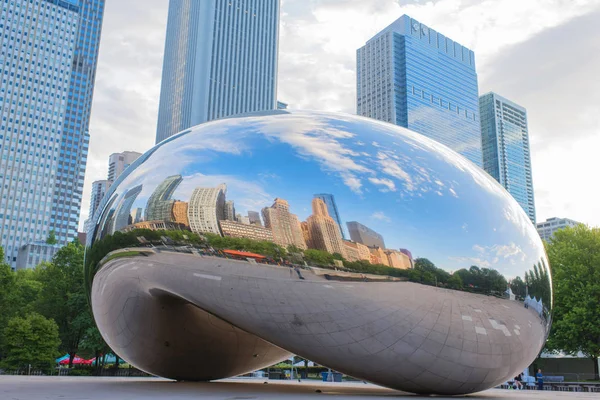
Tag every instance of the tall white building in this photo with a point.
(35, 71)
(547, 228)
(118, 162)
(206, 208)
(220, 59)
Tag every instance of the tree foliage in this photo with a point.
(63, 297)
(30, 341)
(574, 255)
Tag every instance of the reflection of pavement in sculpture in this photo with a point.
(397, 334)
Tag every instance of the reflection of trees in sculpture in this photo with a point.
(518, 287)
(538, 282)
(483, 279)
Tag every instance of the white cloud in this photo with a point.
(388, 184)
(380, 215)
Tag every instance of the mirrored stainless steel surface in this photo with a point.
(358, 244)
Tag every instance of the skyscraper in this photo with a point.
(505, 141)
(285, 225)
(329, 201)
(99, 189)
(160, 204)
(74, 135)
(220, 60)
(206, 208)
(412, 76)
(323, 231)
(118, 162)
(43, 105)
(364, 235)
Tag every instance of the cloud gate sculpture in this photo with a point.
(357, 244)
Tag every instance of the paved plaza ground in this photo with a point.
(83, 388)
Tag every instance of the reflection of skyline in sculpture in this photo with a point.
(206, 208)
(284, 225)
(160, 203)
(357, 251)
(179, 213)
(397, 259)
(254, 218)
(378, 256)
(156, 226)
(138, 216)
(249, 231)
(123, 210)
(323, 232)
(361, 234)
(329, 201)
(230, 214)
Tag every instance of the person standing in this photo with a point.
(540, 379)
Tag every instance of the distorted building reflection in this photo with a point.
(230, 214)
(179, 213)
(160, 203)
(254, 218)
(248, 231)
(206, 208)
(323, 232)
(284, 225)
(123, 213)
(362, 234)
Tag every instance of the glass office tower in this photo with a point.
(506, 155)
(329, 201)
(412, 76)
(44, 65)
(75, 138)
(220, 60)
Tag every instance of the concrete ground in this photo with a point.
(84, 388)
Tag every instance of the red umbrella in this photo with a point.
(76, 361)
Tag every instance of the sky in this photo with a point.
(541, 54)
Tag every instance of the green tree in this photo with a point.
(574, 255)
(32, 340)
(51, 239)
(455, 282)
(63, 297)
(318, 257)
(518, 287)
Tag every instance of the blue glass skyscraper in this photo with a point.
(332, 209)
(75, 138)
(47, 65)
(220, 60)
(506, 155)
(412, 76)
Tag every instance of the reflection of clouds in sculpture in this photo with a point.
(387, 185)
(246, 194)
(314, 138)
(380, 215)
